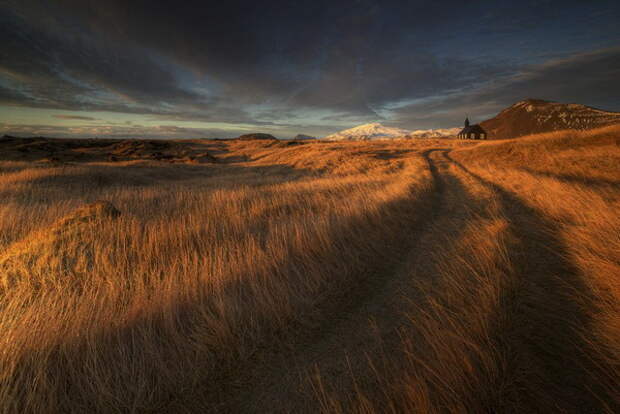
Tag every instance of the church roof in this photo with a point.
(473, 129)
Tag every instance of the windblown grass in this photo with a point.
(203, 266)
(522, 311)
(209, 267)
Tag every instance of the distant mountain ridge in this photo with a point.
(367, 132)
(376, 130)
(534, 116)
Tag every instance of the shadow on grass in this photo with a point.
(339, 342)
(574, 179)
(175, 358)
(87, 181)
(547, 355)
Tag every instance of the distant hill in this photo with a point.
(377, 131)
(302, 136)
(534, 116)
(256, 135)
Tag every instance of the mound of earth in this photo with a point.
(160, 151)
(61, 254)
(534, 116)
(253, 136)
(131, 147)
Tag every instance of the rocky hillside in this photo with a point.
(535, 116)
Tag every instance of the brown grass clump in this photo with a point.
(43, 257)
(393, 276)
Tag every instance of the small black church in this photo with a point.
(472, 131)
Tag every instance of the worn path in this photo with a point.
(366, 323)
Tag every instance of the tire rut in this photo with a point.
(365, 322)
(278, 382)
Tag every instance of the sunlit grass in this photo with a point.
(207, 266)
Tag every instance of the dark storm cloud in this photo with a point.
(587, 78)
(317, 55)
(350, 56)
(61, 64)
(261, 63)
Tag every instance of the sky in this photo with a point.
(81, 68)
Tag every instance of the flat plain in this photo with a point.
(419, 275)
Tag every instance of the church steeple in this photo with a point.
(466, 122)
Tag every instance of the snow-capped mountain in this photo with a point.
(435, 133)
(367, 132)
(377, 131)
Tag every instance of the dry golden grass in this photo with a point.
(523, 312)
(426, 276)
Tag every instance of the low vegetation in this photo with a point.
(384, 276)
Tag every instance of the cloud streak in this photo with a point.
(75, 117)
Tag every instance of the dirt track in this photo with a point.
(339, 346)
(370, 321)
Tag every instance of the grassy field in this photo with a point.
(388, 276)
